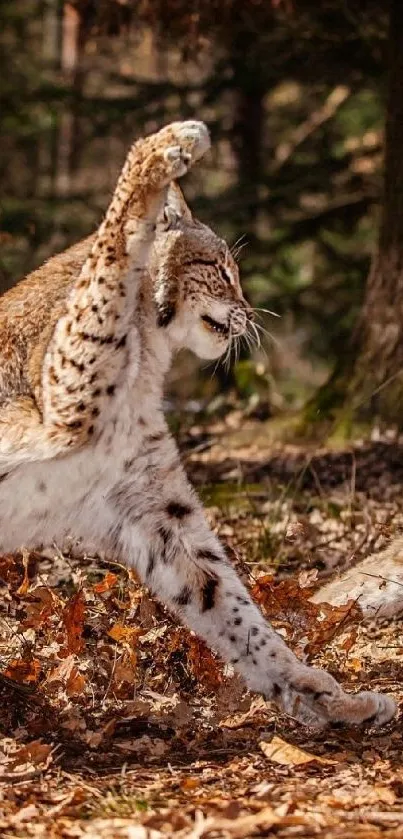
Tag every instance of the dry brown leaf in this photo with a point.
(257, 709)
(68, 676)
(35, 753)
(11, 570)
(203, 665)
(123, 676)
(119, 632)
(40, 608)
(278, 751)
(289, 606)
(190, 783)
(73, 619)
(109, 581)
(24, 671)
(23, 588)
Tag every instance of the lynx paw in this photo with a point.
(192, 141)
(171, 152)
(314, 698)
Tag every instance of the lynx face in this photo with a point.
(197, 289)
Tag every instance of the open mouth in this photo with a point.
(215, 325)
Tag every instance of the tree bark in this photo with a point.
(378, 375)
(368, 383)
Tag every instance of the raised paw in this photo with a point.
(172, 151)
(314, 698)
(190, 140)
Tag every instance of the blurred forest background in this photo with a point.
(294, 94)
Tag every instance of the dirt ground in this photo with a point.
(116, 722)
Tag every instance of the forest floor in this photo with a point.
(117, 722)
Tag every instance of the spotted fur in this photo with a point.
(85, 454)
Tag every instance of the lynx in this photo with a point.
(85, 452)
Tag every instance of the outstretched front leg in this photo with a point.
(165, 535)
(85, 353)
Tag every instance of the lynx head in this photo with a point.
(197, 290)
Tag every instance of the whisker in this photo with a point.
(267, 311)
(238, 242)
(255, 330)
(266, 332)
(249, 341)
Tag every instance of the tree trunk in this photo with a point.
(369, 382)
(378, 377)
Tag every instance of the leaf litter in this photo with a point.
(118, 722)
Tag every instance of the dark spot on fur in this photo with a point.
(177, 510)
(237, 621)
(235, 609)
(254, 631)
(41, 486)
(121, 342)
(273, 655)
(233, 639)
(234, 660)
(211, 262)
(75, 424)
(93, 378)
(150, 564)
(110, 390)
(141, 421)
(4, 476)
(165, 535)
(209, 555)
(96, 392)
(128, 464)
(94, 308)
(263, 643)
(96, 339)
(101, 280)
(276, 691)
(242, 600)
(184, 597)
(166, 314)
(156, 438)
(81, 406)
(208, 594)
(53, 375)
(254, 661)
(78, 365)
(91, 430)
(95, 411)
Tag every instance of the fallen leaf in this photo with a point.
(24, 671)
(23, 588)
(278, 751)
(76, 683)
(73, 619)
(204, 666)
(119, 632)
(257, 709)
(40, 608)
(109, 581)
(289, 607)
(190, 783)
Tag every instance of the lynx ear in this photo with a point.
(175, 208)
